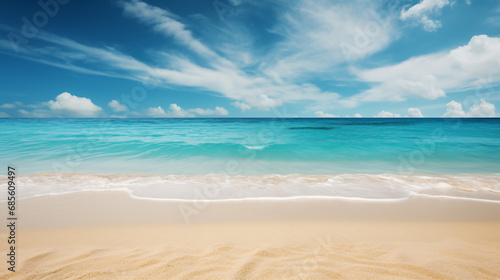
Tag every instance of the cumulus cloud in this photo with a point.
(117, 106)
(422, 12)
(385, 114)
(454, 109)
(474, 65)
(220, 111)
(65, 105)
(156, 112)
(174, 112)
(357, 115)
(414, 113)
(68, 105)
(483, 109)
(321, 114)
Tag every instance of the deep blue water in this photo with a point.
(252, 146)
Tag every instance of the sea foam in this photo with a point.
(220, 187)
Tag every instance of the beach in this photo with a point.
(109, 234)
(252, 198)
(233, 139)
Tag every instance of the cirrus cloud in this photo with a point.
(422, 11)
(432, 76)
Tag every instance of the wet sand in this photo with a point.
(109, 235)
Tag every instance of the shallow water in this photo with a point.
(252, 146)
(386, 159)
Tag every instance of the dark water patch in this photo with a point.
(378, 123)
(312, 127)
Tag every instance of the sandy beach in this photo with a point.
(109, 235)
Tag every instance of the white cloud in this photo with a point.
(166, 23)
(156, 112)
(117, 106)
(454, 109)
(11, 105)
(422, 11)
(37, 113)
(177, 112)
(313, 38)
(308, 46)
(220, 111)
(241, 105)
(321, 114)
(414, 113)
(357, 115)
(174, 112)
(4, 115)
(483, 109)
(384, 114)
(67, 105)
(318, 35)
(474, 65)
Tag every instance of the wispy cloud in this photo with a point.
(266, 85)
(315, 41)
(167, 24)
(422, 12)
(320, 35)
(474, 65)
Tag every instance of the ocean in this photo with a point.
(279, 158)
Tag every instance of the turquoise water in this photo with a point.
(252, 146)
(378, 159)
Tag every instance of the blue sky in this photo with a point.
(240, 58)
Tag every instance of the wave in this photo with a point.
(250, 147)
(384, 187)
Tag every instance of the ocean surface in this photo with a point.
(358, 158)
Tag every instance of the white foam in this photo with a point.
(381, 187)
(254, 147)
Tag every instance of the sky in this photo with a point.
(246, 58)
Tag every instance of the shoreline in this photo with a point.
(216, 187)
(122, 207)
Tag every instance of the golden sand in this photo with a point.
(108, 235)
